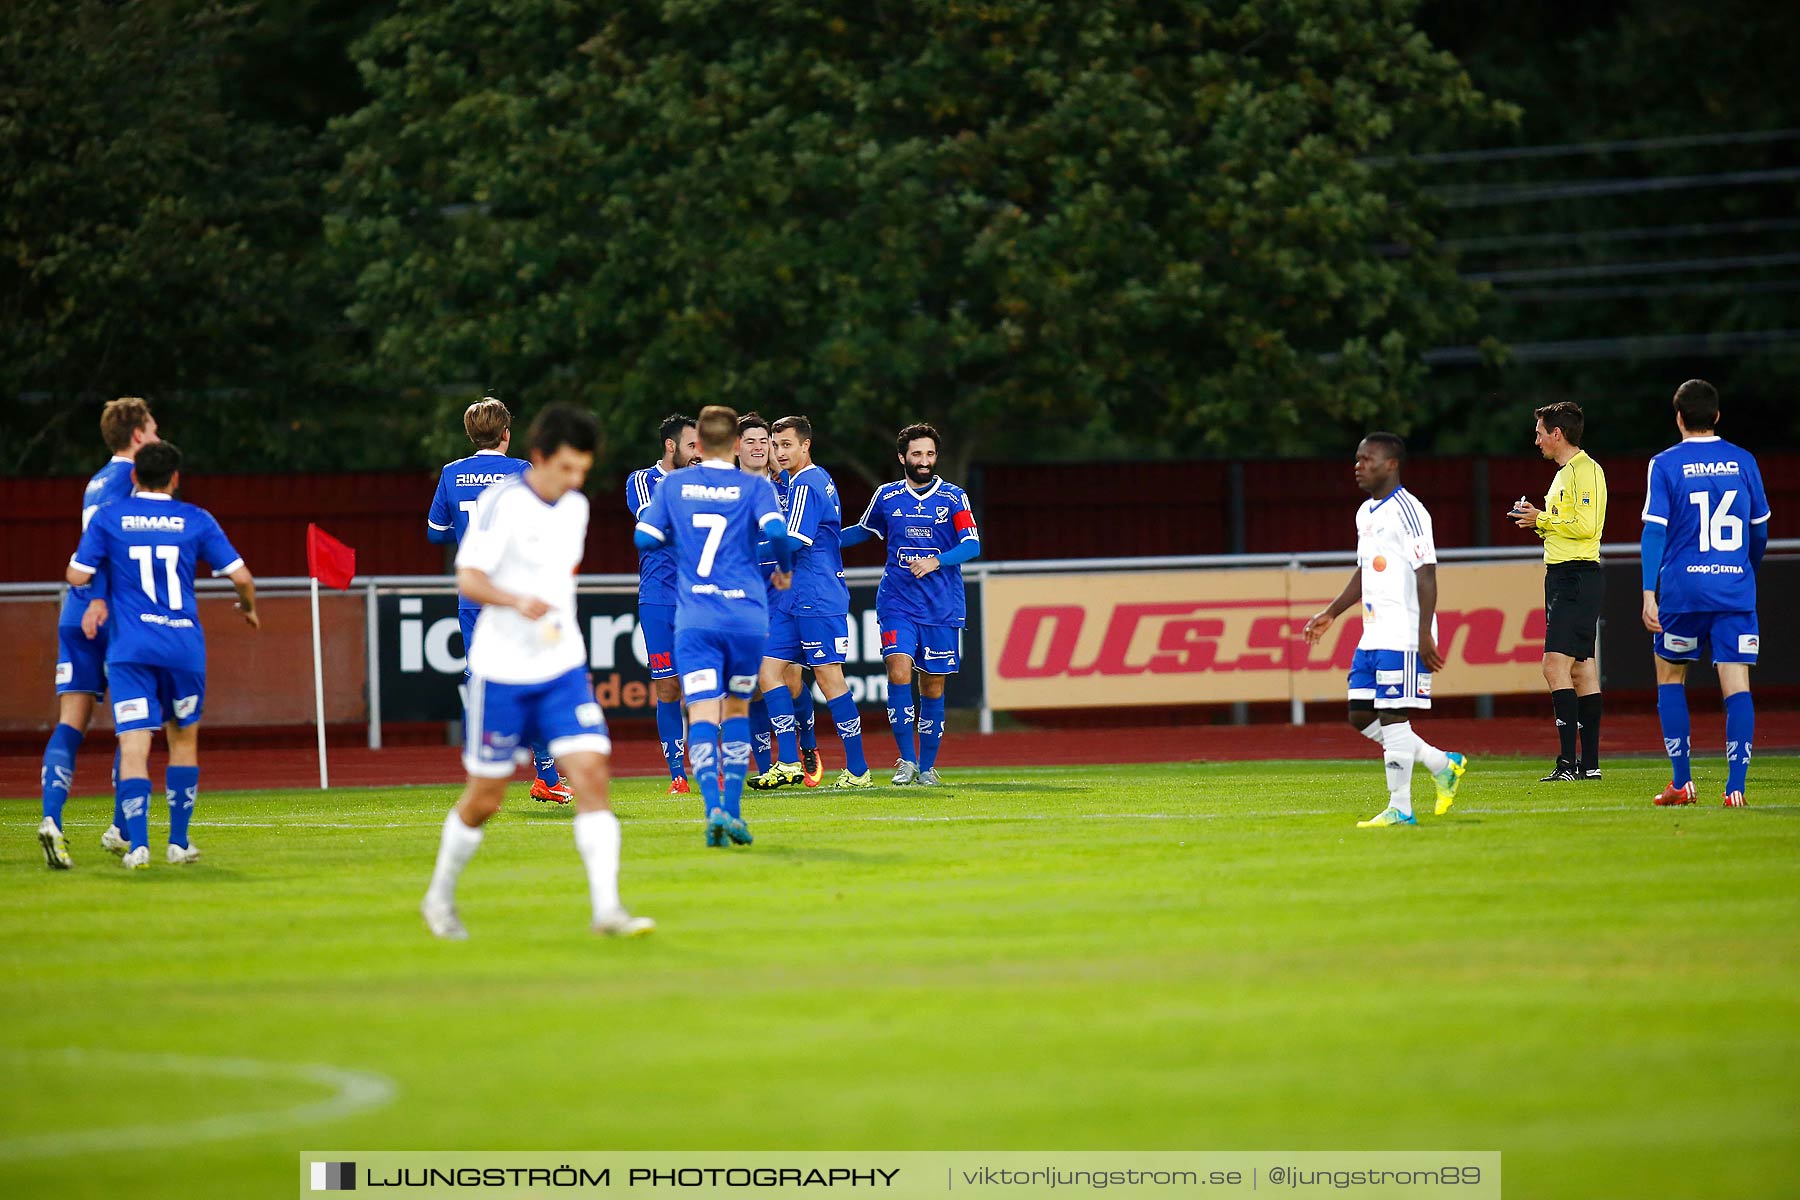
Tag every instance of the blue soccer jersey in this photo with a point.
(1708, 493)
(149, 547)
(919, 525)
(111, 482)
(712, 516)
(460, 485)
(815, 520)
(656, 568)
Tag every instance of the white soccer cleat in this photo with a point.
(929, 778)
(56, 851)
(136, 860)
(181, 855)
(619, 923)
(441, 919)
(905, 771)
(114, 842)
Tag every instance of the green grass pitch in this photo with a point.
(1175, 957)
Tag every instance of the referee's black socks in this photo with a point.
(1588, 714)
(1568, 719)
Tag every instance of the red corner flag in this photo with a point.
(328, 560)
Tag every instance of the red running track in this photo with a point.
(297, 767)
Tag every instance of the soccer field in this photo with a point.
(1178, 957)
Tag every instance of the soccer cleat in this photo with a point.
(929, 778)
(715, 827)
(442, 921)
(813, 763)
(1386, 817)
(735, 828)
(679, 787)
(619, 923)
(1735, 800)
(778, 776)
(1448, 780)
(905, 771)
(559, 794)
(847, 781)
(136, 860)
(182, 855)
(1562, 772)
(114, 842)
(1672, 796)
(1587, 773)
(56, 852)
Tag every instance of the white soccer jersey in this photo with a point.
(529, 548)
(1393, 540)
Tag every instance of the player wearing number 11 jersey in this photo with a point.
(1706, 525)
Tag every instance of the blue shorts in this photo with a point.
(1730, 636)
(1389, 679)
(145, 695)
(934, 649)
(658, 623)
(808, 639)
(506, 719)
(717, 662)
(80, 664)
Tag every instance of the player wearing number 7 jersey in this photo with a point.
(149, 546)
(1706, 525)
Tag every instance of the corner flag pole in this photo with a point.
(319, 686)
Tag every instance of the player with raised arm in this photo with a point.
(530, 681)
(817, 629)
(714, 515)
(488, 425)
(1396, 583)
(656, 595)
(149, 546)
(81, 639)
(1706, 525)
(930, 532)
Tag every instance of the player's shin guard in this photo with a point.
(58, 774)
(1426, 754)
(1568, 715)
(668, 730)
(1740, 728)
(182, 787)
(1397, 754)
(546, 766)
(781, 722)
(1588, 709)
(902, 718)
(132, 799)
(762, 737)
(1672, 707)
(931, 730)
(804, 725)
(456, 846)
(597, 838)
(734, 752)
(849, 727)
(703, 753)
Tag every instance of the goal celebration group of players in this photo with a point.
(740, 537)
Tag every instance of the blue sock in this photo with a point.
(781, 721)
(133, 800)
(1740, 729)
(703, 755)
(849, 727)
(182, 785)
(1671, 706)
(668, 730)
(931, 730)
(803, 718)
(734, 750)
(118, 804)
(546, 766)
(901, 719)
(58, 775)
(762, 742)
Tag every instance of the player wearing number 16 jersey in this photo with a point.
(1706, 525)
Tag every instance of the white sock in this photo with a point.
(1372, 731)
(456, 848)
(1397, 753)
(597, 837)
(1434, 759)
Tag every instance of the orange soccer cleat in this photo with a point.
(560, 794)
(1673, 795)
(813, 764)
(678, 787)
(1735, 800)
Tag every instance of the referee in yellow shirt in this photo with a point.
(1571, 522)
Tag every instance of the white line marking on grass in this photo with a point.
(352, 1092)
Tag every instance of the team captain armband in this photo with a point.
(963, 520)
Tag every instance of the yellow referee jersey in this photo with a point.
(1574, 513)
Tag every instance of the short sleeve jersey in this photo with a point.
(713, 515)
(1393, 540)
(532, 548)
(150, 546)
(919, 525)
(109, 483)
(816, 522)
(656, 568)
(1708, 493)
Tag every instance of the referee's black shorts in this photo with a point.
(1573, 592)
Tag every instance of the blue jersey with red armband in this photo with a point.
(915, 525)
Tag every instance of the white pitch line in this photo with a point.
(353, 1092)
